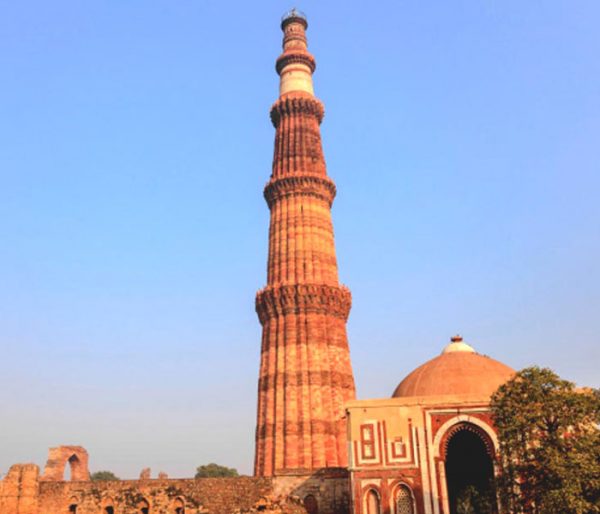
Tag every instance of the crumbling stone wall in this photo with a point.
(326, 491)
(19, 490)
(24, 491)
(195, 496)
(279, 505)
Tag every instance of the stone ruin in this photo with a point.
(65, 487)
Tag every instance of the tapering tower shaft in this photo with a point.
(305, 371)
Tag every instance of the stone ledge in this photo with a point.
(274, 301)
(319, 187)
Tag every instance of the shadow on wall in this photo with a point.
(326, 491)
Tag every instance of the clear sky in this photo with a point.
(134, 145)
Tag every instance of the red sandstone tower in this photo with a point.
(305, 371)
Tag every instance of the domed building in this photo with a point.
(418, 451)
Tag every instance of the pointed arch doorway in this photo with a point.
(469, 470)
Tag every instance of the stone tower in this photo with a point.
(305, 371)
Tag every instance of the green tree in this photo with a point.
(103, 475)
(549, 444)
(472, 501)
(213, 470)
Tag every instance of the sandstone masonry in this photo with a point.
(305, 370)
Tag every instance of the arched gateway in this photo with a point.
(469, 467)
(435, 436)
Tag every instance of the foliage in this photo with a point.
(549, 441)
(103, 475)
(472, 501)
(213, 470)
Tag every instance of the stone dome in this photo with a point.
(458, 370)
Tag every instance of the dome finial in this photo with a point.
(457, 345)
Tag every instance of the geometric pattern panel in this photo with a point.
(404, 503)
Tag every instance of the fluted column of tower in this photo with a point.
(305, 371)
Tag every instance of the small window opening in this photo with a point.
(109, 510)
(73, 509)
(311, 505)
(404, 503)
(179, 506)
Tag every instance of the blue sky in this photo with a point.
(463, 138)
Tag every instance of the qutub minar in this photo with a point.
(305, 370)
(318, 449)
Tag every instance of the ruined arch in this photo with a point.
(71, 468)
(60, 457)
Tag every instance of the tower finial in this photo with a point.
(294, 14)
(295, 65)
